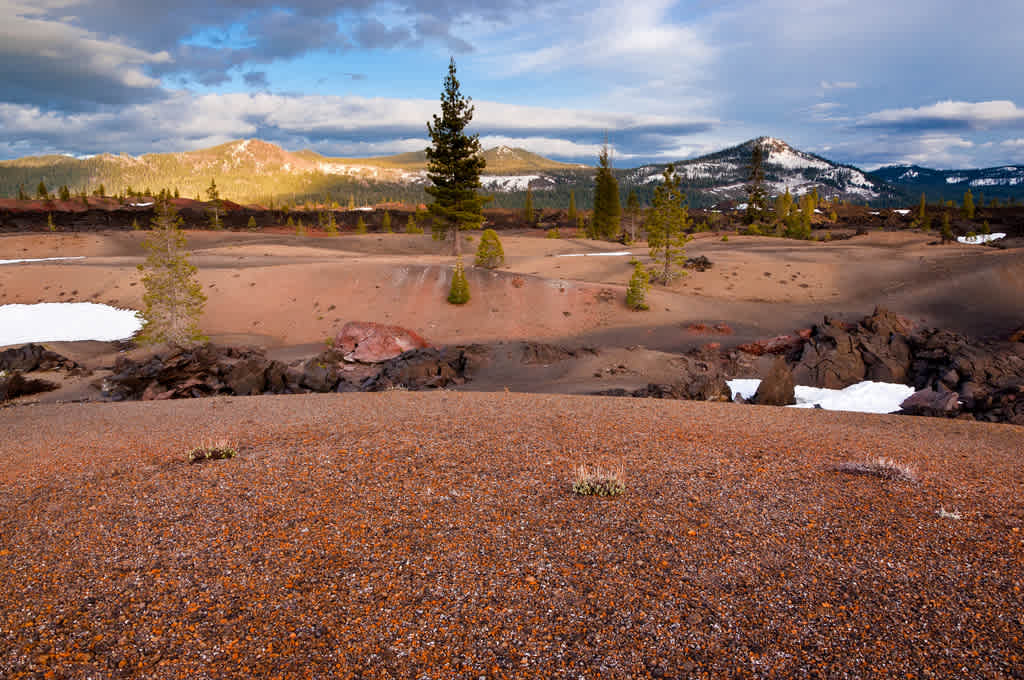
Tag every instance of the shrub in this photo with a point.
(252, 223)
(490, 254)
(725, 237)
(385, 224)
(598, 481)
(637, 292)
(360, 225)
(218, 451)
(411, 227)
(884, 468)
(458, 294)
(552, 233)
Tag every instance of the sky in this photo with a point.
(870, 83)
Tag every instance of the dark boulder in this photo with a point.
(420, 369)
(33, 357)
(248, 376)
(929, 402)
(777, 388)
(13, 384)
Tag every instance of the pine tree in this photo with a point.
(49, 222)
(65, 193)
(458, 294)
(177, 195)
(985, 228)
(528, 215)
(454, 165)
(572, 208)
(331, 227)
(173, 298)
(411, 227)
(490, 254)
(969, 205)
(636, 293)
(756, 197)
(351, 202)
(607, 209)
(22, 196)
(946, 233)
(101, 192)
(633, 212)
(666, 227)
(41, 191)
(360, 225)
(300, 228)
(783, 205)
(213, 195)
(385, 224)
(252, 223)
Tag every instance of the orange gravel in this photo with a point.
(434, 535)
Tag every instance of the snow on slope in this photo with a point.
(864, 397)
(65, 321)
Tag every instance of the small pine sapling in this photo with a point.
(636, 294)
(490, 254)
(360, 225)
(458, 294)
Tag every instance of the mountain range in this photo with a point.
(254, 171)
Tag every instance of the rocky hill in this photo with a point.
(1002, 183)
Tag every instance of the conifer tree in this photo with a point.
(454, 165)
(607, 209)
(985, 228)
(49, 222)
(65, 193)
(351, 202)
(968, 205)
(572, 208)
(755, 186)
(173, 298)
(360, 225)
(458, 294)
(666, 227)
(213, 196)
(411, 227)
(528, 215)
(490, 254)
(385, 224)
(41, 190)
(331, 227)
(633, 212)
(636, 293)
(946, 233)
(252, 223)
(22, 196)
(177, 195)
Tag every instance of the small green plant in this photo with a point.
(212, 451)
(598, 481)
(884, 468)
(385, 225)
(300, 228)
(985, 228)
(360, 225)
(490, 254)
(458, 294)
(552, 233)
(725, 238)
(330, 226)
(252, 224)
(49, 222)
(636, 294)
(411, 226)
(827, 236)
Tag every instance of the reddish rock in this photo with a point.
(369, 343)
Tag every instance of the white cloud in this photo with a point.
(949, 114)
(1013, 143)
(838, 85)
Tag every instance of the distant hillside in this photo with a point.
(254, 171)
(1002, 183)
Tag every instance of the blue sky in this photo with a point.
(874, 82)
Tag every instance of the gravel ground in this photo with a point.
(435, 535)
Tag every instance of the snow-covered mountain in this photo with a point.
(1002, 181)
(724, 174)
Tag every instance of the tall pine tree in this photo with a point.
(756, 196)
(607, 209)
(666, 227)
(173, 297)
(454, 165)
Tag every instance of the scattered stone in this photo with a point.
(778, 387)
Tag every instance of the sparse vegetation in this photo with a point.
(607, 209)
(598, 481)
(215, 451)
(412, 227)
(385, 224)
(884, 468)
(360, 225)
(666, 228)
(213, 196)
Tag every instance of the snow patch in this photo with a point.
(508, 182)
(42, 259)
(864, 397)
(66, 321)
(955, 179)
(980, 238)
(791, 160)
(617, 253)
(903, 211)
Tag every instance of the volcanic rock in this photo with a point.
(368, 342)
(929, 402)
(14, 384)
(777, 388)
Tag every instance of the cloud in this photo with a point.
(256, 79)
(55, 64)
(372, 33)
(947, 116)
(935, 150)
(1013, 143)
(350, 124)
(838, 85)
